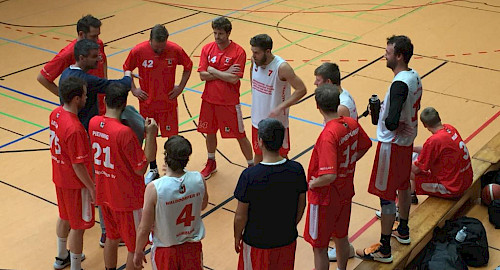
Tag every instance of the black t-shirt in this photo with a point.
(272, 192)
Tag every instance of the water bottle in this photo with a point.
(374, 108)
(461, 235)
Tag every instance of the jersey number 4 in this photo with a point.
(186, 215)
(107, 155)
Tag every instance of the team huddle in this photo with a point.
(101, 150)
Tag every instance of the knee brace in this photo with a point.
(388, 207)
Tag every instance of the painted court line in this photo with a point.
(23, 137)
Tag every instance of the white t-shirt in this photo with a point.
(178, 210)
(347, 100)
(408, 122)
(268, 91)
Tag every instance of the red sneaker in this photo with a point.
(210, 168)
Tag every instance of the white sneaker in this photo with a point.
(62, 263)
(151, 175)
(378, 213)
(332, 253)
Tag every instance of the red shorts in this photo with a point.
(187, 256)
(391, 170)
(167, 119)
(228, 119)
(121, 224)
(426, 184)
(283, 150)
(325, 221)
(282, 258)
(75, 206)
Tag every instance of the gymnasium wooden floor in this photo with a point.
(457, 53)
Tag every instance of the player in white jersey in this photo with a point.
(396, 130)
(330, 73)
(173, 204)
(271, 78)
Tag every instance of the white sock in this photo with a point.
(76, 261)
(250, 162)
(62, 250)
(211, 156)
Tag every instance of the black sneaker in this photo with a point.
(414, 198)
(62, 263)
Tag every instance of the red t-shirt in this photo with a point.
(335, 152)
(447, 158)
(66, 57)
(157, 71)
(69, 144)
(117, 154)
(218, 91)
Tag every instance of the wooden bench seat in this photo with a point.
(435, 211)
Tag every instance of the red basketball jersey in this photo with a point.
(218, 91)
(157, 72)
(335, 152)
(445, 155)
(69, 144)
(66, 57)
(117, 154)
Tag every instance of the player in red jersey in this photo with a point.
(119, 164)
(88, 27)
(330, 175)
(72, 174)
(443, 167)
(221, 66)
(157, 60)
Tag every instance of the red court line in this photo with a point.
(474, 134)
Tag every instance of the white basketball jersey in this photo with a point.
(178, 209)
(268, 91)
(408, 122)
(347, 100)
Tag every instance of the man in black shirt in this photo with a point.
(271, 200)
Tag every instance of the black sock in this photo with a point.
(153, 165)
(114, 268)
(385, 240)
(403, 226)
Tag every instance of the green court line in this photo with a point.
(189, 120)
(333, 14)
(22, 120)
(417, 9)
(375, 7)
(26, 102)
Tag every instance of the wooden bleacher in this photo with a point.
(435, 211)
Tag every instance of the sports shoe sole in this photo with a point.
(401, 240)
(378, 259)
(210, 174)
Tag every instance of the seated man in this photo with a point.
(443, 167)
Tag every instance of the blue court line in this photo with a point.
(23, 137)
(193, 26)
(28, 95)
(28, 45)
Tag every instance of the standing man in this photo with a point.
(396, 131)
(86, 53)
(72, 174)
(173, 204)
(265, 224)
(120, 164)
(271, 95)
(222, 65)
(157, 60)
(331, 179)
(88, 27)
(330, 73)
